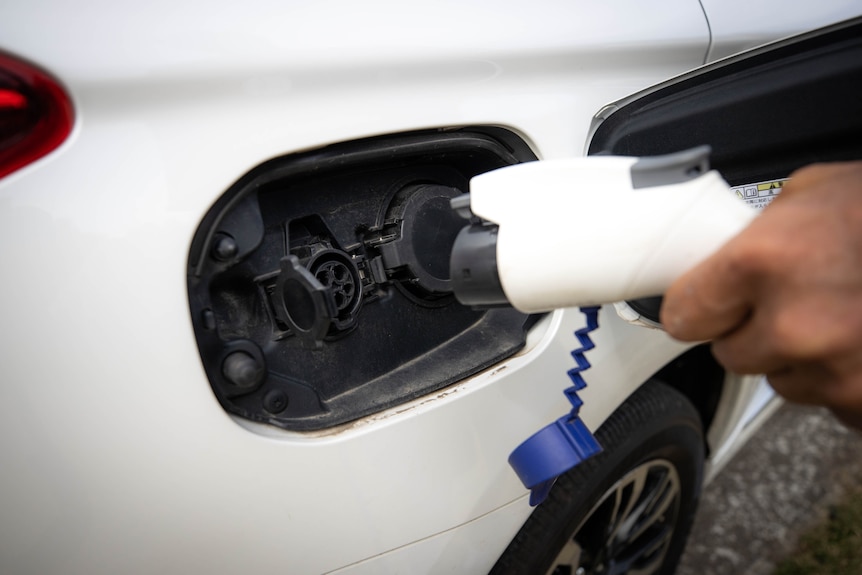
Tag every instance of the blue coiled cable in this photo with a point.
(562, 445)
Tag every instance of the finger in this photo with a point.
(710, 300)
(836, 383)
(749, 348)
(849, 417)
(782, 331)
(802, 383)
(809, 179)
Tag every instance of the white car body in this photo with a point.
(117, 457)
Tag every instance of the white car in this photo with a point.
(229, 339)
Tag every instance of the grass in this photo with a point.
(833, 547)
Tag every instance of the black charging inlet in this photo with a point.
(424, 229)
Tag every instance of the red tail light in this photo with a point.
(35, 114)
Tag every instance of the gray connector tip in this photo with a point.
(473, 267)
(461, 204)
(670, 168)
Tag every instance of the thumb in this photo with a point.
(710, 300)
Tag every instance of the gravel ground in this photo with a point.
(781, 483)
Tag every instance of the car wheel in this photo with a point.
(630, 508)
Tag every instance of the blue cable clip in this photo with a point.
(562, 445)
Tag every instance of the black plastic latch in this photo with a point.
(303, 302)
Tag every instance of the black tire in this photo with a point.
(653, 440)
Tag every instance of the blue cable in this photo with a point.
(567, 442)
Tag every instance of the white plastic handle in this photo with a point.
(576, 232)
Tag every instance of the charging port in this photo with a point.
(319, 283)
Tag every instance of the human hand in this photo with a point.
(784, 297)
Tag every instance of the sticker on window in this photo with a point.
(760, 194)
